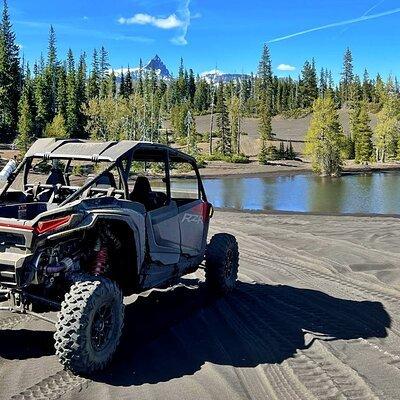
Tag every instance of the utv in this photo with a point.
(81, 226)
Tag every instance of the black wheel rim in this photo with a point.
(102, 326)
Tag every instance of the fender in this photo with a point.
(134, 220)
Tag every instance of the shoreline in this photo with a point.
(218, 169)
(302, 213)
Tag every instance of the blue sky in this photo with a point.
(209, 33)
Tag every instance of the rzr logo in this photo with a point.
(192, 218)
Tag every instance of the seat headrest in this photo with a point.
(56, 177)
(142, 185)
(104, 182)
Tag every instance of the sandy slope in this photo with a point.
(315, 316)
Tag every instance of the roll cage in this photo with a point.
(126, 152)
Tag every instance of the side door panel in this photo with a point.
(192, 226)
(163, 234)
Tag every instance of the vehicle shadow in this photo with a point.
(22, 344)
(172, 333)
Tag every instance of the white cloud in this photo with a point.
(365, 17)
(180, 20)
(85, 18)
(185, 16)
(286, 67)
(170, 22)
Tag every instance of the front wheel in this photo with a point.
(90, 325)
(222, 263)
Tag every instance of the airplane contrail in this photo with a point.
(336, 24)
(373, 7)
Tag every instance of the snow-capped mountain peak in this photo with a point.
(216, 76)
(155, 64)
(158, 65)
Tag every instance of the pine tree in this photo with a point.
(191, 86)
(347, 76)
(235, 118)
(112, 85)
(265, 100)
(94, 78)
(201, 98)
(290, 153)
(308, 84)
(51, 73)
(61, 100)
(181, 85)
(152, 82)
(224, 128)
(104, 66)
(387, 130)
(26, 123)
(265, 123)
(10, 78)
(380, 93)
(366, 87)
(128, 84)
(354, 113)
(191, 133)
(265, 94)
(282, 153)
(57, 128)
(363, 135)
(324, 139)
(72, 119)
(323, 84)
(140, 79)
(178, 116)
(121, 91)
(81, 98)
(43, 112)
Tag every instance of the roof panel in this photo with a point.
(103, 151)
(54, 148)
(119, 148)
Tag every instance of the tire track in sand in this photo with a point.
(53, 387)
(319, 371)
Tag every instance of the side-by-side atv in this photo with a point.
(81, 226)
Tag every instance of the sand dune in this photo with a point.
(315, 316)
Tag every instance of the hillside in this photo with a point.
(284, 129)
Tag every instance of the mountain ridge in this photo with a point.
(157, 64)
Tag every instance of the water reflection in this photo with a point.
(358, 193)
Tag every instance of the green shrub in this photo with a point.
(239, 159)
(268, 153)
(78, 170)
(234, 158)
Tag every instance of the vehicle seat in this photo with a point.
(142, 193)
(106, 181)
(56, 177)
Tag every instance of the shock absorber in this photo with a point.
(101, 259)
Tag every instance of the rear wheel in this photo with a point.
(89, 325)
(222, 263)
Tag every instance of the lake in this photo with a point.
(377, 193)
